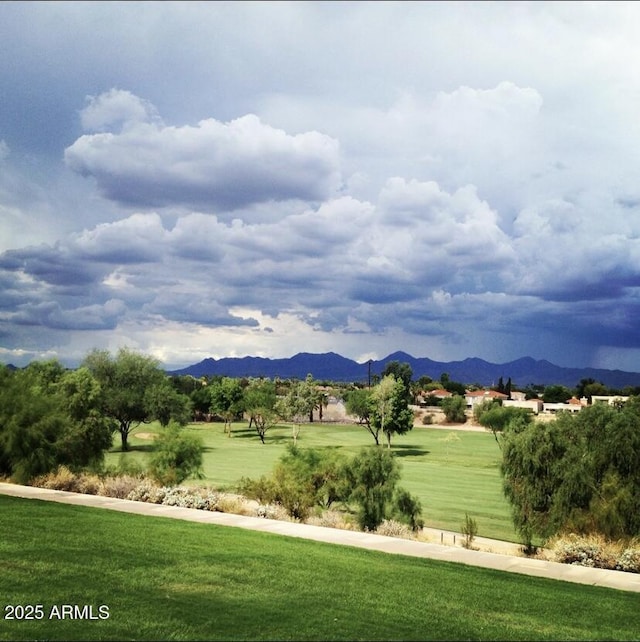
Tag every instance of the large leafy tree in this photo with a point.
(454, 409)
(496, 418)
(402, 372)
(226, 396)
(358, 403)
(577, 473)
(556, 394)
(166, 404)
(50, 417)
(391, 413)
(125, 380)
(298, 404)
(260, 403)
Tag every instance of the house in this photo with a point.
(478, 396)
(573, 405)
(425, 395)
(535, 405)
(611, 400)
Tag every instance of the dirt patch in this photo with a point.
(145, 435)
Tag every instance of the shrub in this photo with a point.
(301, 480)
(629, 560)
(118, 487)
(331, 519)
(89, 484)
(591, 550)
(469, 529)
(147, 491)
(59, 479)
(407, 509)
(271, 511)
(372, 476)
(177, 456)
(392, 528)
(427, 419)
(233, 504)
(454, 409)
(184, 498)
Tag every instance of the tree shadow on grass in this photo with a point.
(134, 448)
(406, 450)
(270, 437)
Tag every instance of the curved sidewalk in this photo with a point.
(539, 568)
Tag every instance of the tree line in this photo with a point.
(52, 416)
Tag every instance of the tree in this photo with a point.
(497, 418)
(165, 403)
(200, 400)
(260, 403)
(48, 418)
(302, 479)
(402, 372)
(589, 387)
(577, 473)
(314, 397)
(227, 399)
(89, 433)
(176, 456)
(556, 394)
(454, 409)
(358, 403)
(124, 381)
(297, 405)
(391, 413)
(372, 476)
(407, 508)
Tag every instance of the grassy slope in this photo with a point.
(452, 473)
(164, 580)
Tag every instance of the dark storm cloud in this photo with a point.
(253, 190)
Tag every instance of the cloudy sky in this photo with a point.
(219, 179)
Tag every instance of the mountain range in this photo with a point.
(334, 367)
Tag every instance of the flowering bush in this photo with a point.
(629, 560)
(596, 552)
(182, 497)
(391, 528)
(147, 491)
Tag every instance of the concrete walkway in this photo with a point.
(539, 568)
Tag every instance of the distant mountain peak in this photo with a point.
(331, 366)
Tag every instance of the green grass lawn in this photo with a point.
(162, 579)
(452, 473)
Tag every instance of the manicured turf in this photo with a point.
(452, 473)
(163, 579)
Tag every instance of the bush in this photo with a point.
(147, 491)
(427, 419)
(118, 487)
(183, 498)
(301, 480)
(372, 476)
(60, 479)
(89, 484)
(454, 409)
(392, 528)
(629, 560)
(469, 529)
(596, 552)
(407, 509)
(177, 456)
